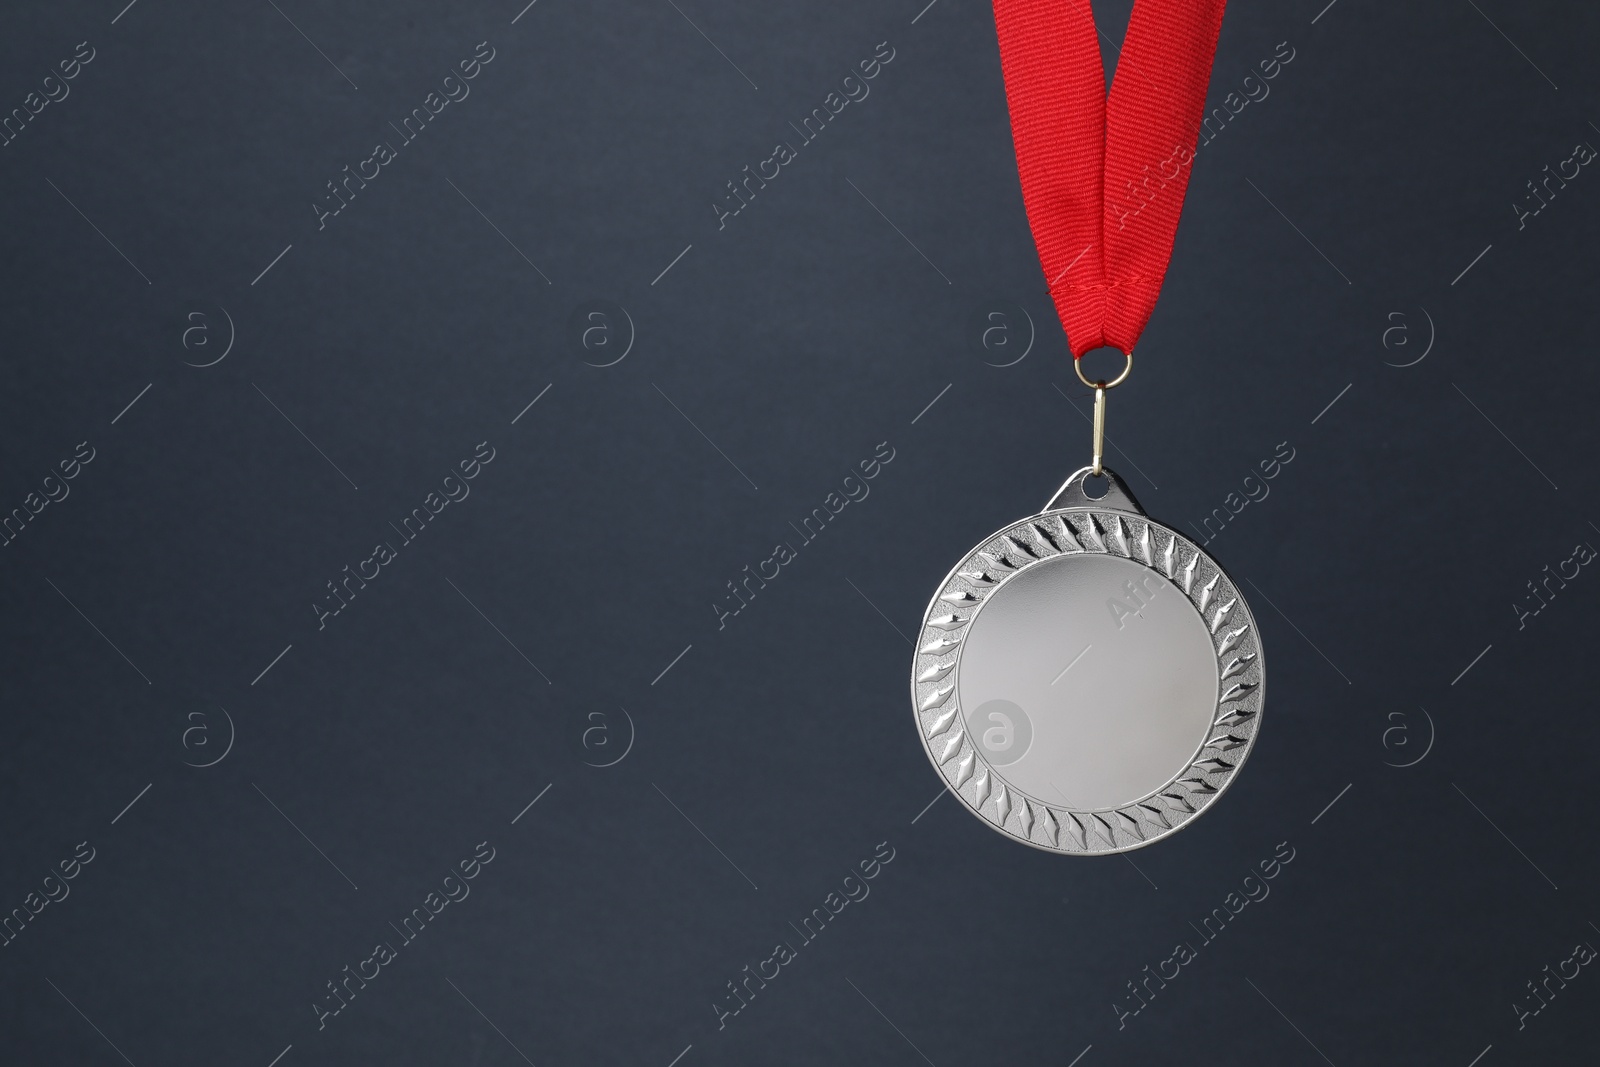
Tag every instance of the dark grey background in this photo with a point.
(777, 752)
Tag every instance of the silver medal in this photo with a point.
(1087, 680)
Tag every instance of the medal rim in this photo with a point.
(1201, 803)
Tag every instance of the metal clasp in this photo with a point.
(1100, 388)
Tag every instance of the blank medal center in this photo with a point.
(1102, 667)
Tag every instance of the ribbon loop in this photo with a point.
(1103, 179)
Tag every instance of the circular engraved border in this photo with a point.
(1054, 827)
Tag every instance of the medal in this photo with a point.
(1086, 679)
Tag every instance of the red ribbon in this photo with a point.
(1103, 180)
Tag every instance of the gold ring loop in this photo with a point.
(1077, 365)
